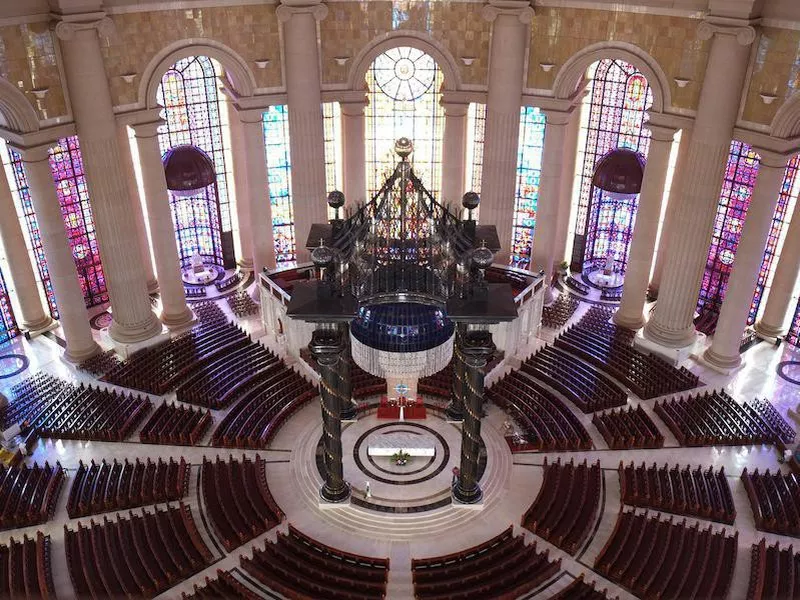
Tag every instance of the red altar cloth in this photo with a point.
(412, 409)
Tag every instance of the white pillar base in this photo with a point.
(721, 364)
(671, 355)
(77, 358)
(325, 505)
(179, 322)
(126, 349)
(628, 323)
(474, 506)
(121, 335)
(245, 264)
(36, 329)
(767, 332)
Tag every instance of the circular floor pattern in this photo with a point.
(12, 364)
(789, 370)
(101, 320)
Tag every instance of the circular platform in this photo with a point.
(601, 280)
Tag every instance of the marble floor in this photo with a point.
(510, 482)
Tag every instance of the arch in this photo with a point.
(786, 123)
(573, 73)
(17, 113)
(237, 72)
(420, 41)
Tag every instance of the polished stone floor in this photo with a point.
(510, 482)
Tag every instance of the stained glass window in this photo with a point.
(793, 337)
(279, 169)
(332, 120)
(73, 195)
(613, 117)
(529, 170)
(194, 115)
(404, 86)
(8, 324)
(777, 234)
(737, 188)
(476, 127)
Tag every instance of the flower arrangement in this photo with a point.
(401, 458)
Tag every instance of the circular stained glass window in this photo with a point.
(404, 73)
(726, 257)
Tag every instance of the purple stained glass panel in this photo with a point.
(793, 337)
(8, 324)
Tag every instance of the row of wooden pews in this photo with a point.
(547, 423)
(566, 506)
(174, 424)
(120, 485)
(774, 572)
(663, 559)
(261, 407)
(576, 285)
(624, 429)
(695, 493)
(238, 499)
(229, 282)
(298, 566)
(242, 305)
(139, 556)
(581, 383)
(559, 312)
(26, 568)
(439, 384)
(365, 384)
(580, 590)
(28, 496)
(502, 568)
(775, 500)
(610, 349)
(224, 586)
(716, 419)
(100, 364)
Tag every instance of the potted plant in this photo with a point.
(401, 458)
(562, 268)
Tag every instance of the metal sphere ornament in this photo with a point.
(336, 199)
(403, 147)
(482, 257)
(470, 200)
(322, 256)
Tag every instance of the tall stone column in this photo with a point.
(137, 214)
(454, 151)
(327, 348)
(777, 309)
(307, 140)
(671, 325)
(637, 274)
(258, 192)
(724, 349)
(243, 192)
(567, 183)
(455, 410)
(544, 240)
(175, 313)
(29, 307)
(60, 264)
(353, 150)
(510, 35)
(133, 317)
(477, 349)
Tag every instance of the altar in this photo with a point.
(401, 408)
(393, 442)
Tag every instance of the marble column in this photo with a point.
(243, 192)
(671, 325)
(779, 301)
(567, 183)
(454, 151)
(455, 410)
(137, 213)
(175, 313)
(510, 37)
(353, 150)
(543, 253)
(327, 348)
(258, 192)
(724, 350)
(477, 349)
(60, 264)
(87, 85)
(643, 242)
(301, 55)
(671, 212)
(33, 314)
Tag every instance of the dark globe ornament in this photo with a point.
(482, 257)
(470, 200)
(322, 256)
(403, 147)
(336, 199)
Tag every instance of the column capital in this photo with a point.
(289, 8)
(326, 346)
(559, 117)
(744, 30)
(68, 25)
(32, 154)
(521, 9)
(147, 130)
(661, 133)
(771, 158)
(477, 348)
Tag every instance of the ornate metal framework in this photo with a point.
(404, 86)
(190, 97)
(619, 96)
(529, 171)
(279, 169)
(8, 324)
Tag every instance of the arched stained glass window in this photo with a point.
(737, 189)
(279, 170)
(529, 170)
(66, 165)
(793, 337)
(476, 130)
(404, 86)
(8, 324)
(613, 117)
(193, 115)
(332, 122)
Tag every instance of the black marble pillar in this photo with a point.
(327, 348)
(455, 410)
(345, 388)
(476, 348)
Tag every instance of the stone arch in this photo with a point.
(573, 73)
(238, 73)
(420, 41)
(16, 113)
(786, 123)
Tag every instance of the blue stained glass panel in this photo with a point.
(279, 170)
(529, 171)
